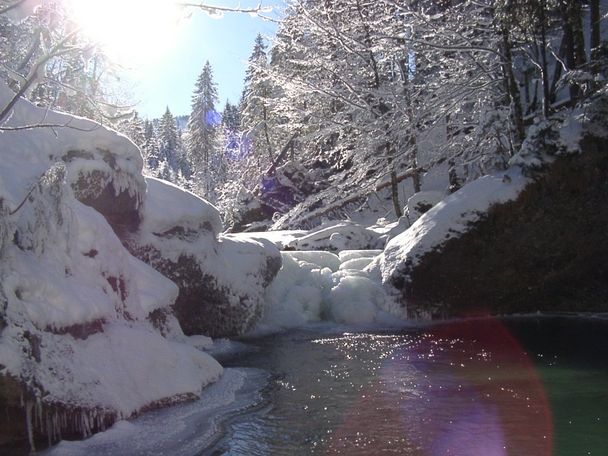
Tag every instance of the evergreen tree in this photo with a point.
(150, 150)
(202, 140)
(231, 117)
(168, 141)
(255, 106)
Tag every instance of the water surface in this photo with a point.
(518, 386)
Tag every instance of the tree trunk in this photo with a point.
(394, 181)
(594, 19)
(513, 95)
(268, 145)
(574, 41)
(543, 62)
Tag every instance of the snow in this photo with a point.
(356, 263)
(346, 255)
(179, 223)
(335, 236)
(313, 286)
(76, 324)
(320, 259)
(421, 200)
(167, 206)
(183, 430)
(280, 238)
(27, 154)
(356, 300)
(447, 219)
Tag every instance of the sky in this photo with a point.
(167, 77)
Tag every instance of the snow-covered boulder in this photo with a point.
(421, 202)
(221, 279)
(103, 167)
(450, 218)
(336, 236)
(87, 335)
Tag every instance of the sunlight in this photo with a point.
(128, 30)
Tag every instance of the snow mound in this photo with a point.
(306, 290)
(167, 206)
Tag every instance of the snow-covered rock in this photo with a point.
(87, 335)
(103, 167)
(449, 218)
(335, 236)
(221, 279)
(421, 202)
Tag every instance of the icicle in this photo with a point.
(38, 415)
(29, 406)
(49, 435)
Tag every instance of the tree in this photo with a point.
(255, 105)
(149, 148)
(202, 140)
(46, 59)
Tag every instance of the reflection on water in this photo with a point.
(481, 387)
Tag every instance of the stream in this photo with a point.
(515, 386)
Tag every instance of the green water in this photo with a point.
(487, 387)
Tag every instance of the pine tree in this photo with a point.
(149, 148)
(202, 140)
(255, 106)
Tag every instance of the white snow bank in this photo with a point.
(356, 263)
(318, 258)
(346, 255)
(82, 273)
(279, 238)
(447, 219)
(167, 206)
(335, 236)
(122, 369)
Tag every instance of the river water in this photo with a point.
(523, 386)
(483, 387)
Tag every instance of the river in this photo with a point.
(521, 386)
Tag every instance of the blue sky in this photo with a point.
(168, 79)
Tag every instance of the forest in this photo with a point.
(349, 99)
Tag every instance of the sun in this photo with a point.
(128, 30)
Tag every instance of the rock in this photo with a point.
(221, 280)
(544, 251)
(101, 180)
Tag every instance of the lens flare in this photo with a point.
(466, 388)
